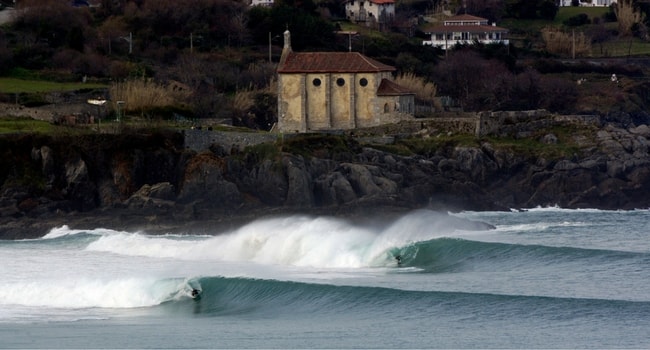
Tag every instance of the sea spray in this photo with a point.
(294, 241)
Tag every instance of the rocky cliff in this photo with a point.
(151, 181)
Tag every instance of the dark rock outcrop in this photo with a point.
(151, 182)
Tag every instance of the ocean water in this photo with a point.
(543, 278)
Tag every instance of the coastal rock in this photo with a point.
(299, 189)
(108, 194)
(362, 179)
(162, 190)
(203, 181)
(641, 130)
(549, 139)
(333, 189)
(79, 186)
(153, 181)
(267, 179)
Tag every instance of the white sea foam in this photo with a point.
(294, 241)
(556, 208)
(65, 230)
(86, 293)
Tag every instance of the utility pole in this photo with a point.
(350, 42)
(573, 44)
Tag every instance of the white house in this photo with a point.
(464, 29)
(267, 3)
(370, 12)
(585, 3)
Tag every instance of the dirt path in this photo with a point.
(45, 112)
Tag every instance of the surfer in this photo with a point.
(195, 293)
(398, 258)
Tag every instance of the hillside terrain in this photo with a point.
(216, 59)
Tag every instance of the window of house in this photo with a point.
(316, 82)
(386, 108)
(363, 82)
(340, 81)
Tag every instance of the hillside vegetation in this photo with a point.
(217, 58)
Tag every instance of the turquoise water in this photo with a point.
(544, 278)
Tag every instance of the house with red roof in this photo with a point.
(464, 29)
(320, 91)
(373, 13)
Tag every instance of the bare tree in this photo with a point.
(109, 33)
(239, 26)
(473, 80)
(599, 34)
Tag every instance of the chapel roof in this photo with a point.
(389, 88)
(331, 62)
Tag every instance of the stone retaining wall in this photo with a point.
(523, 123)
(200, 140)
(505, 124)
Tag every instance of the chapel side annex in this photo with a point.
(320, 91)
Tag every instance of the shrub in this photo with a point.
(424, 90)
(577, 20)
(558, 94)
(243, 100)
(140, 94)
(627, 16)
(559, 42)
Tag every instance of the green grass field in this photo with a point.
(621, 48)
(15, 125)
(14, 85)
(533, 26)
(567, 12)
